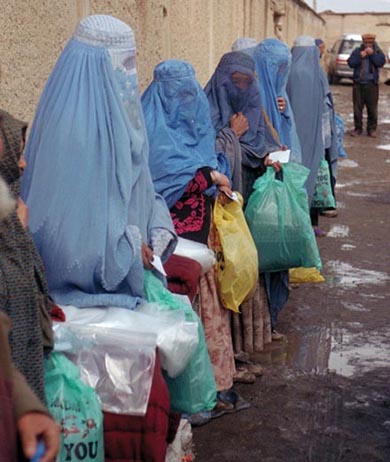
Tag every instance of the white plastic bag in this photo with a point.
(197, 251)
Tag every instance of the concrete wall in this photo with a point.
(33, 33)
(301, 20)
(357, 23)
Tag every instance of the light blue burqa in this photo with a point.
(273, 60)
(181, 136)
(87, 184)
(306, 93)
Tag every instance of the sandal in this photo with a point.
(277, 336)
(242, 375)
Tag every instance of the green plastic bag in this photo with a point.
(194, 390)
(76, 408)
(323, 196)
(278, 217)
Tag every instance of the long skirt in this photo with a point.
(216, 323)
(251, 329)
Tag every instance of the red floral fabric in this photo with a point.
(191, 213)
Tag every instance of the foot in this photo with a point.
(356, 132)
(244, 376)
(329, 213)
(372, 134)
(255, 369)
(276, 336)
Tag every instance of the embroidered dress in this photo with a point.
(191, 215)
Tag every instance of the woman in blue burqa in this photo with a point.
(237, 115)
(313, 110)
(186, 171)
(94, 214)
(273, 61)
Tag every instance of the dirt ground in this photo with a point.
(325, 395)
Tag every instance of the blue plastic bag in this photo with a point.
(194, 390)
(76, 408)
(279, 220)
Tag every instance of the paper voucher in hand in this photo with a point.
(282, 156)
(157, 263)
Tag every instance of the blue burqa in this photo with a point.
(306, 93)
(273, 60)
(181, 136)
(87, 183)
(225, 100)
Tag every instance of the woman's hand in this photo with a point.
(275, 164)
(225, 195)
(239, 124)
(281, 103)
(34, 426)
(219, 179)
(147, 256)
(22, 212)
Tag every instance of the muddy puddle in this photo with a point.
(348, 276)
(344, 351)
(347, 163)
(338, 231)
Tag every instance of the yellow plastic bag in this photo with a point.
(237, 267)
(298, 275)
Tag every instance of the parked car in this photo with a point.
(337, 60)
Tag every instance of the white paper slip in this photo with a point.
(232, 196)
(235, 197)
(157, 263)
(282, 156)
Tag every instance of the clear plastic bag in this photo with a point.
(115, 349)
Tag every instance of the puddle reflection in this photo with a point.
(347, 276)
(340, 351)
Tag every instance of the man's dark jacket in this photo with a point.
(377, 60)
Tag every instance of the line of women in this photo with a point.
(112, 180)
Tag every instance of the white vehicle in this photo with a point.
(337, 61)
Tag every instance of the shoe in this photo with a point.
(277, 336)
(372, 134)
(223, 406)
(318, 232)
(329, 213)
(356, 132)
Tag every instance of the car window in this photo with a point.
(348, 46)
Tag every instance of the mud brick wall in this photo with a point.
(33, 33)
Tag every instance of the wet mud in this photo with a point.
(325, 394)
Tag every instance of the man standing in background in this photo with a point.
(366, 61)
